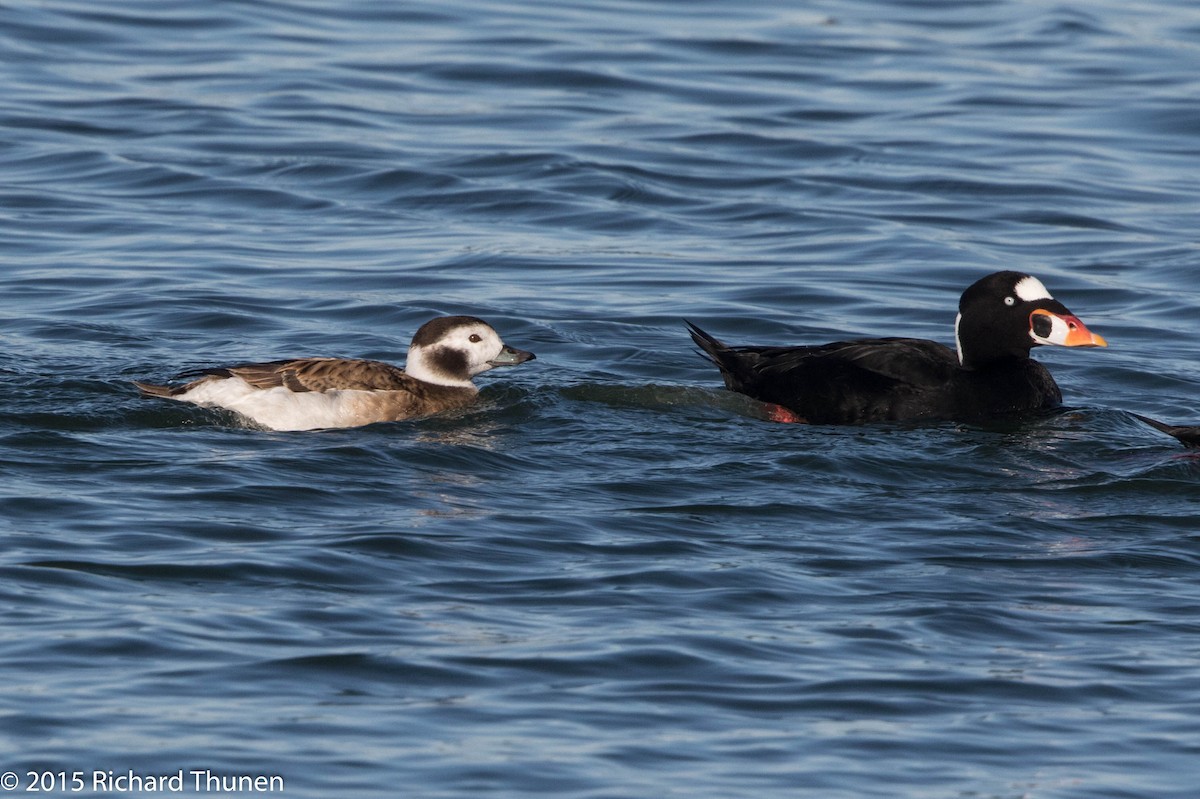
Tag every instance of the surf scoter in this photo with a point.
(1188, 435)
(1000, 318)
(312, 393)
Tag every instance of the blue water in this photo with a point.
(612, 579)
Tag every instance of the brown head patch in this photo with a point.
(449, 362)
(433, 330)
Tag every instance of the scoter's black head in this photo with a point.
(1006, 314)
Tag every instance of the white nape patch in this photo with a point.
(957, 340)
(1029, 289)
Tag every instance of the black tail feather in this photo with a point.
(1188, 435)
(710, 347)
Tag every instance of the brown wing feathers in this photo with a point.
(300, 375)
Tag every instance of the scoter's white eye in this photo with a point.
(1010, 300)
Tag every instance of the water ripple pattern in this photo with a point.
(611, 579)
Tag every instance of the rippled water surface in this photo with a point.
(611, 578)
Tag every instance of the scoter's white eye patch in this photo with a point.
(1029, 289)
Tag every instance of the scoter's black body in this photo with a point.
(1001, 317)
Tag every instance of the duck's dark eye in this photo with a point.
(476, 338)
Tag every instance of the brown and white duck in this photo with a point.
(314, 393)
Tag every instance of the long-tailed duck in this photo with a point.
(1000, 318)
(313, 393)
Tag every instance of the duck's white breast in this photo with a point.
(282, 409)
